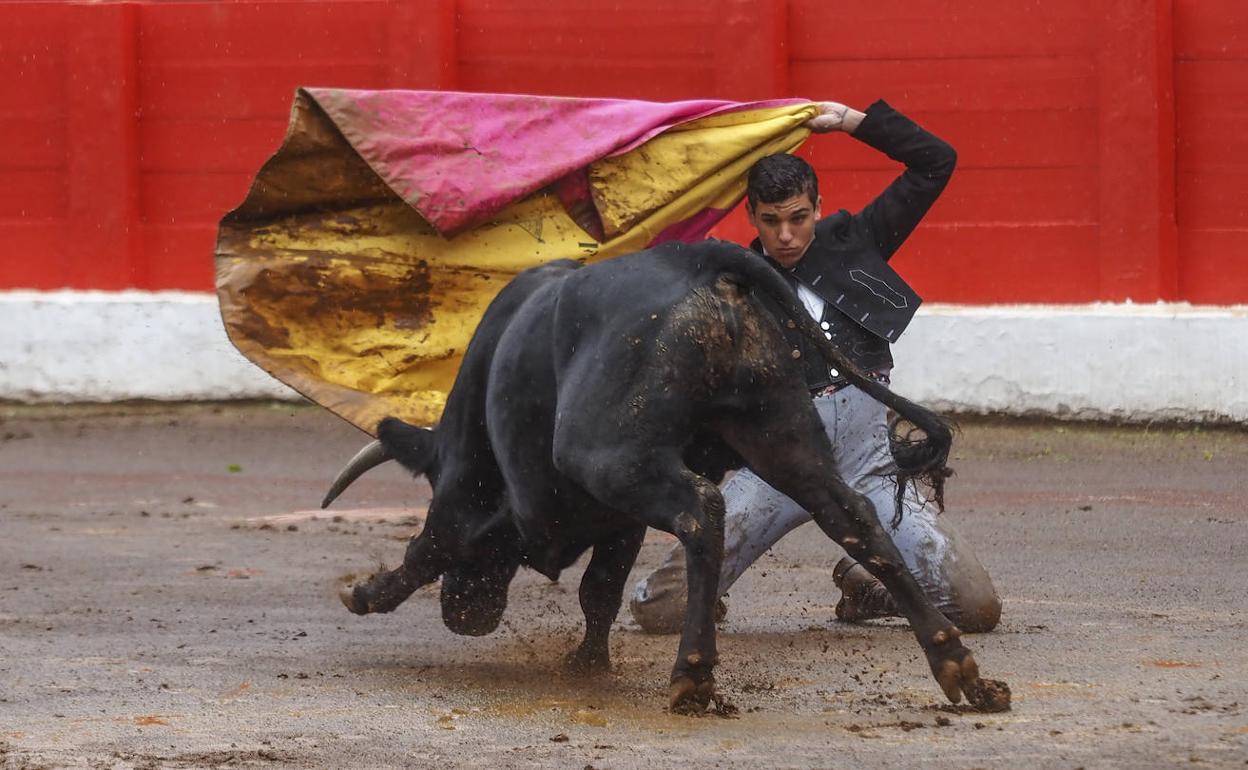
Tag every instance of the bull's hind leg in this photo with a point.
(788, 449)
(602, 592)
(654, 486)
(700, 528)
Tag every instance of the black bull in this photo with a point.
(595, 402)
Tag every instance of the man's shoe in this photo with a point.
(862, 596)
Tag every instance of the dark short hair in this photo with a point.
(779, 177)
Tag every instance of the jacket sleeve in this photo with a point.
(893, 215)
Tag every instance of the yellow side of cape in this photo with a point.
(332, 284)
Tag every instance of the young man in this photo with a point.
(839, 267)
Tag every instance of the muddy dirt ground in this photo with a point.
(167, 600)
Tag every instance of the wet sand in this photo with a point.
(167, 599)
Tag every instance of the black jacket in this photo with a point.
(868, 305)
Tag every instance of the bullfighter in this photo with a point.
(839, 266)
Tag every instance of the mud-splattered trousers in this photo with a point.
(758, 516)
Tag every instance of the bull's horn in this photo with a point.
(365, 460)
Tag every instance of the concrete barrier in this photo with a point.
(1101, 361)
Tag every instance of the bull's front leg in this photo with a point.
(602, 592)
(384, 591)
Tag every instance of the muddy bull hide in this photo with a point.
(595, 402)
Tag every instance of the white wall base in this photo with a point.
(1101, 361)
(1130, 362)
(68, 346)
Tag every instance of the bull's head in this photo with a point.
(474, 589)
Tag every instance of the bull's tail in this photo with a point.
(414, 448)
(912, 455)
(924, 459)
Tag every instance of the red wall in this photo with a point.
(1100, 153)
(1211, 107)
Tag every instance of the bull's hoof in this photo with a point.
(688, 698)
(582, 662)
(349, 600)
(382, 592)
(957, 673)
(953, 674)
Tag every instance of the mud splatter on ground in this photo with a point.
(158, 609)
(991, 696)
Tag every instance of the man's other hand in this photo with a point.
(834, 116)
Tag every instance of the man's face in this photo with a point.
(786, 229)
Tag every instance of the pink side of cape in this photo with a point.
(459, 158)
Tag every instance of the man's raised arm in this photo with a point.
(929, 160)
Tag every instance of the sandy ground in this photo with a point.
(167, 600)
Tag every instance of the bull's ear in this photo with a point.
(415, 448)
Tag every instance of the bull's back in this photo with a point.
(616, 352)
(670, 309)
(466, 403)
(469, 468)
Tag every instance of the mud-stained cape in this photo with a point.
(371, 243)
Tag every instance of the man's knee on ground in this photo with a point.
(658, 617)
(977, 614)
(658, 601)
